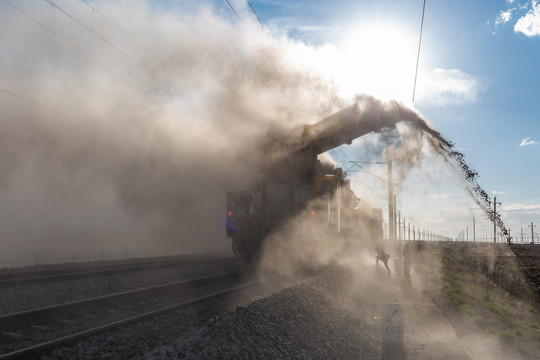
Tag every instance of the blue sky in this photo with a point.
(478, 81)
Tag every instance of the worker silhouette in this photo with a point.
(382, 256)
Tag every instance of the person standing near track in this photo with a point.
(382, 256)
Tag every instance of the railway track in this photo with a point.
(38, 331)
(25, 277)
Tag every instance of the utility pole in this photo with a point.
(391, 232)
(467, 234)
(395, 218)
(532, 237)
(474, 229)
(392, 211)
(495, 219)
(399, 225)
(522, 234)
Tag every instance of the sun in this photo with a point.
(378, 59)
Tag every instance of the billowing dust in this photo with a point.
(126, 145)
(119, 142)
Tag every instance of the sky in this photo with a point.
(478, 81)
(123, 123)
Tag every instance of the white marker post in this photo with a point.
(392, 327)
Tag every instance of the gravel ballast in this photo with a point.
(329, 316)
(298, 322)
(334, 315)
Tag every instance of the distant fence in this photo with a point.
(525, 290)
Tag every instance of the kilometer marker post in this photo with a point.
(392, 327)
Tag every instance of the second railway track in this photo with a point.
(37, 331)
(23, 277)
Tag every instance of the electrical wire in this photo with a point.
(355, 163)
(115, 25)
(93, 33)
(252, 9)
(80, 52)
(241, 21)
(27, 99)
(419, 44)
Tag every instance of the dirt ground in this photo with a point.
(490, 322)
(447, 311)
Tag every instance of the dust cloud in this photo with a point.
(123, 137)
(122, 134)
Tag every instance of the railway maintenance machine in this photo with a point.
(293, 182)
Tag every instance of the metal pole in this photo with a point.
(399, 225)
(495, 220)
(474, 229)
(395, 218)
(390, 195)
(532, 237)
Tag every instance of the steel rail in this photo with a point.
(16, 278)
(70, 339)
(14, 320)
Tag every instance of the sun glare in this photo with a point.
(379, 59)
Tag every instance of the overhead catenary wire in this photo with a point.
(241, 21)
(83, 54)
(258, 18)
(355, 163)
(419, 45)
(115, 25)
(26, 99)
(93, 33)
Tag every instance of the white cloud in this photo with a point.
(535, 208)
(443, 196)
(526, 141)
(504, 17)
(495, 192)
(448, 87)
(530, 23)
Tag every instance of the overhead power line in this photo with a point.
(258, 18)
(356, 163)
(418, 56)
(241, 21)
(26, 99)
(115, 25)
(93, 33)
(80, 52)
